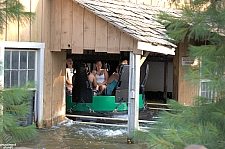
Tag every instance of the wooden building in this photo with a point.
(77, 26)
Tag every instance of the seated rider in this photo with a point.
(112, 82)
(69, 76)
(124, 62)
(92, 79)
(101, 76)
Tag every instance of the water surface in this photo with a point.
(71, 135)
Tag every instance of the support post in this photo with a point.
(165, 78)
(133, 96)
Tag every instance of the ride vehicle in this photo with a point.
(83, 101)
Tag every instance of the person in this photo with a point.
(124, 62)
(69, 76)
(112, 82)
(101, 76)
(93, 72)
(92, 79)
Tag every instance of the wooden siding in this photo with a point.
(186, 91)
(45, 6)
(67, 18)
(36, 25)
(113, 39)
(42, 29)
(58, 88)
(78, 29)
(56, 25)
(126, 42)
(101, 35)
(87, 32)
(25, 30)
(63, 22)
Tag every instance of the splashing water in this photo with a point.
(70, 135)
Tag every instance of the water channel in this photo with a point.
(71, 135)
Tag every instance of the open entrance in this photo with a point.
(158, 86)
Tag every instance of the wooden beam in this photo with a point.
(165, 79)
(158, 48)
(143, 58)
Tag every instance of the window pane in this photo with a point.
(7, 59)
(31, 59)
(23, 76)
(7, 78)
(31, 75)
(14, 78)
(15, 59)
(203, 94)
(23, 60)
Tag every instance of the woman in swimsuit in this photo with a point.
(101, 76)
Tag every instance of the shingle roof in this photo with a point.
(137, 20)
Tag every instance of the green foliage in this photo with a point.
(11, 11)
(202, 124)
(203, 25)
(15, 103)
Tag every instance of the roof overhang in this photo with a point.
(136, 20)
(155, 48)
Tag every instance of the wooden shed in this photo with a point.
(105, 26)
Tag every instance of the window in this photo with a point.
(204, 89)
(20, 67)
(24, 62)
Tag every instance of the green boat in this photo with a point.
(83, 101)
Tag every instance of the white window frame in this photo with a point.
(205, 81)
(35, 66)
(38, 107)
(200, 89)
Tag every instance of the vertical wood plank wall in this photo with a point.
(56, 24)
(61, 17)
(40, 30)
(25, 30)
(77, 29)
(101, 35)
(88, 31)
(67, 17)
(186, 90)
